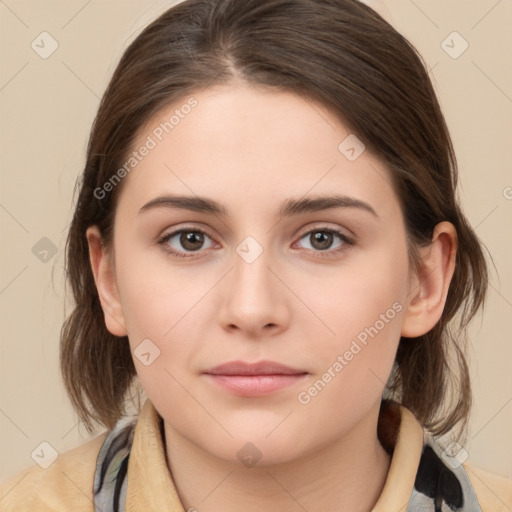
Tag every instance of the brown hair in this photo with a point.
(340, 53)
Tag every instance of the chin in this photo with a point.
(256, 450)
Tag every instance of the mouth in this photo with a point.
(254, 379)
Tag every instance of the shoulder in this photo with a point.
(494, 492)
(68, 482)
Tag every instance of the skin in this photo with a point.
(250, 149)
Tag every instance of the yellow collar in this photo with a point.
(151, 487)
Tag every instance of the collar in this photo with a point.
(132, 472)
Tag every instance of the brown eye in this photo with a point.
(322, 239)
(184, 240)
(191, 240)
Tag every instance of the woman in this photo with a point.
(267, 239)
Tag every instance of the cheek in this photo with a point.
(364, 306)
(160, 303)
(152, 297)
(369, 289)
(160, 331)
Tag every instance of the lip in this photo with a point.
(254, 379)
(259, 368)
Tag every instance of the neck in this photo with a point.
(346, 474)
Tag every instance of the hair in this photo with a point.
(345, 56)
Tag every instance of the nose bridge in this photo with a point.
(251, 262)
(252, 298)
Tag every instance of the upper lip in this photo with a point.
(260, 368)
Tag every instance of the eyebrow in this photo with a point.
(289, 208)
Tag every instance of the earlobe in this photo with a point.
(429, 290)
(104, 277)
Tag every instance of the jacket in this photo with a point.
(125, 469)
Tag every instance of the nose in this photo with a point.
(255, 298)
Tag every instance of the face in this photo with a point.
(271, 275)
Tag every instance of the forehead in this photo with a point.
(254, 145)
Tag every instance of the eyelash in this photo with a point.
(347, 242)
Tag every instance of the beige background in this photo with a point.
(47, 106)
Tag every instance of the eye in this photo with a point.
(189, 239)
(321, 240)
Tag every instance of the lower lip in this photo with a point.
(255, 385)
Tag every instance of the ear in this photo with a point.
(429, 288)
(104, 277)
